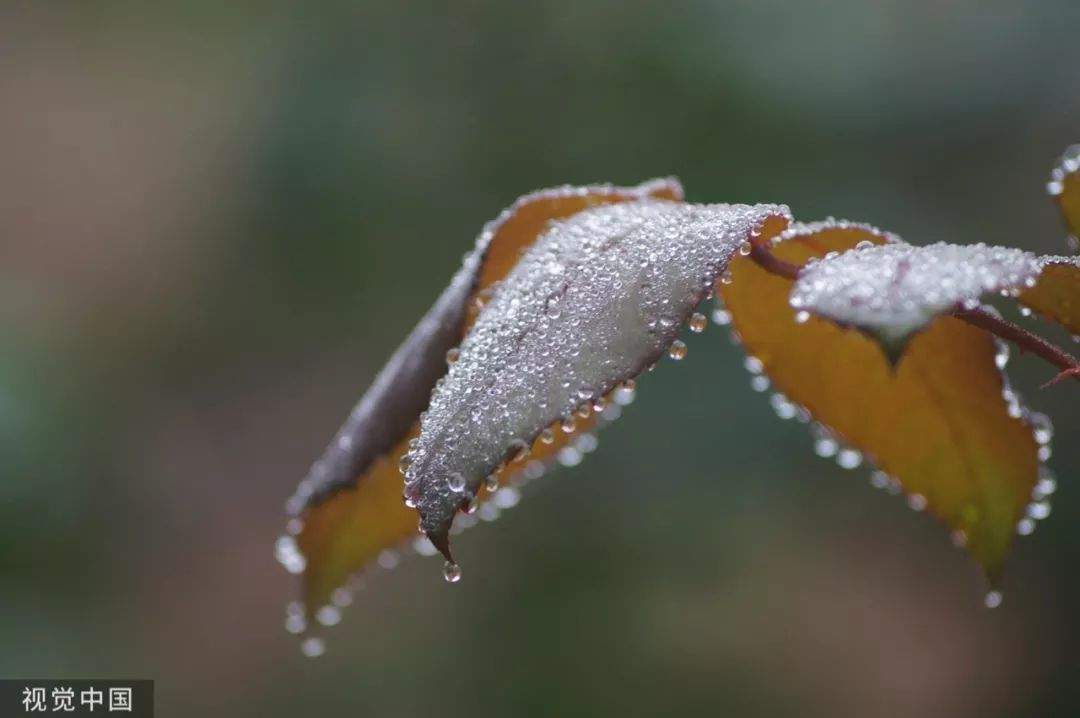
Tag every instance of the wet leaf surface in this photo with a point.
(942, 424)
(892, 291)
(595, 300)
(348, 513)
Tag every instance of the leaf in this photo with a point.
(1064, 187)
(944, 424)
(1056, 294)
(595, 300)
(893, 290)
(348, 510)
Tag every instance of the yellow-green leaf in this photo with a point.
(939, 423)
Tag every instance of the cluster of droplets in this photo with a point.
(597, 298)
(896, 288)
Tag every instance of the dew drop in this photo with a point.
(721, 317)
(404, 463)
(313, 647)
(452, 355)
(992, 599)
(456, 482)
(328, 616)
(568, 425)
(849, 458)
(677, 350)
(295, 623)
(698, 322)
(451, 572)
(547, 436)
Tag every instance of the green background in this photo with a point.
(217, 222)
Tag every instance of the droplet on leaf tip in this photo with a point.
(451, 572)
(992, 599)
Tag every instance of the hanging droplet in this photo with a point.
(452, 355)
(677, 350)
(547, 436)
(568, 425)
(802, 317)
(313, 647)
(491, 481)
(993, 599)
(698, 322)
(404, 463)
(745, 248)
(451, 572)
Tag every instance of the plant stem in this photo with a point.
(1025, 340)
(760, 253)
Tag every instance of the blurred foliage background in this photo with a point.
(217, 221)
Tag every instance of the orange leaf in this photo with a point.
(1064, 187)
(349, 509)
(1056, 294)
(938, 424)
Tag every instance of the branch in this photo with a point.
(1024, 339)
(760, 253)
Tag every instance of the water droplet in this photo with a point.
(456, 482)
(452, 355)
(745, 248)
(849, 458)
(677, 350)
(825, 447)
(547, 436)
(491, 481)
(802, 317)
(568, 425)
(295, 623)
(328, 616)
(404, 463)
(313, 647)
(388, 559)
(519, 451)
(917, 502)
(697, 322)
(451, 572)
(992, 599)
(721, 317)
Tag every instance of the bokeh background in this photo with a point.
(217, 221)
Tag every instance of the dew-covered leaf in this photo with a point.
(595, 300)
(1064, 187)
(942, 425)
(348, 511)
(893, 290)
(1056, 294)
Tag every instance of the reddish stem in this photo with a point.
(760, 253)
(1024, 339)
(1067, 363)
